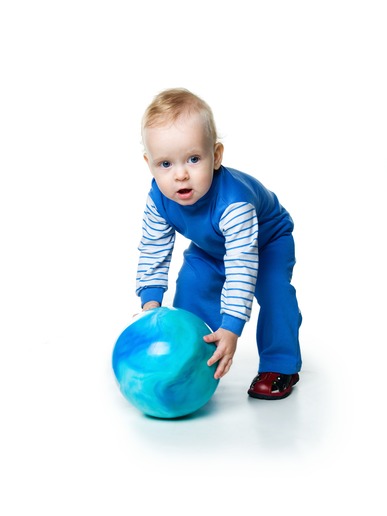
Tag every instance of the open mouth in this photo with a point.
(185, 193)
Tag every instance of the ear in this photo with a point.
(218, 155)
(146, 159)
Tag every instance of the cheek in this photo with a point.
(162, 183)
(207, 181)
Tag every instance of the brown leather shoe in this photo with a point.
(272, 386)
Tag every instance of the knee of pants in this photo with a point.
(271, 290)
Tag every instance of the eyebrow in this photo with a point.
(191, 152)
(160, 159)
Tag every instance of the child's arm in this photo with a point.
(155, 248)
(239, 225)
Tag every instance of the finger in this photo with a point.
(215, 357)
(223, 368)
(211, 337)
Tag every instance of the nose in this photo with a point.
(181, 173)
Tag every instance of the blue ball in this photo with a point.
(160, 362)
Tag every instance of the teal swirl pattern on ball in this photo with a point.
(160, 362)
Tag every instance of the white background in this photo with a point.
(298, 89)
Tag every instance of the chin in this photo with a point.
(189, 202)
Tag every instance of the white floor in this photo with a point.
(299, 93)
(71, 444)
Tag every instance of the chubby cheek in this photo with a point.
(164, 185)
(205, 184)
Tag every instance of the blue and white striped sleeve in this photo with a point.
(239, 225)
(155, 247)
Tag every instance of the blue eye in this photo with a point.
(194, 159)
(165, 164)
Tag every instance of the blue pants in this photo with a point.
(200, 283)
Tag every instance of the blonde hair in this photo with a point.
(170, 104)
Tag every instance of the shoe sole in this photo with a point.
(264, 397)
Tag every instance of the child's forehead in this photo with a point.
(166, 121)
(191, 125)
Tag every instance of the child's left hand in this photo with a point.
(226, 343)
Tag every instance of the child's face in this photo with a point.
(182, 158)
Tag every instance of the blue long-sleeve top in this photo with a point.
(225, 223)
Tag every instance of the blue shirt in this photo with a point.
(232, 222)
